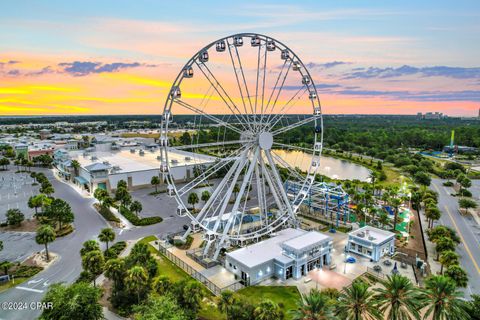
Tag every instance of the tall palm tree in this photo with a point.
(45, 235)
(395, 203)
(398, 299)
(313, 306)
(268, 310)
(136, 280)
(448, 258)
(356, 303)
(94, 263)
(115, 270)
(106, 235)
(225, 302)
(443, 299)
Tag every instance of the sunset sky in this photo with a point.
(120, 57)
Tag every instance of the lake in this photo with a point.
(330, 167)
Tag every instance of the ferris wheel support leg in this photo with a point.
(187, 233)
(245, 181)
(240, 164)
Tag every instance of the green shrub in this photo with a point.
(24, 271)
(136, 221)
(115, 250)
(448, 184)
(66, 229)
(106, 213)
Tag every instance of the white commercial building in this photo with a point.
(292, 253)
(371, 242)
(103, 169)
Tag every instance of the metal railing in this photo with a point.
(212, 287)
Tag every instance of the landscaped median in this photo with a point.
(137, 221)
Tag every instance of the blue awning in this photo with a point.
(81, 180)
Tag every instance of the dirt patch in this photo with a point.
(414, 246)
(39, 259)
(29, 225)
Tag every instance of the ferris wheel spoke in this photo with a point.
(278, 180)
(278, 89)
(234, 169)
(229, 192)
(271, 185)
(212, 144)
(240, 88)
(294, 125)
(213, 118)
(213, 169)
(278, 117)
(223, 94)
(285, 164)
(244, 80)
(233, 213)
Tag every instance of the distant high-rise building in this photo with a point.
(431, 115)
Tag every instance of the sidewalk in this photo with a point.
(127, 224)
(434, 265)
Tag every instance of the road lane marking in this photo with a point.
(460, 234)
(30, 289)
(463, 240)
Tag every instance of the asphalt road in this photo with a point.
(466, 227)
(88, 224)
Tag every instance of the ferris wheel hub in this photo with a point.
(265, 140)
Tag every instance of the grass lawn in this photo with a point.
(140, 135)
(165, 266)
(209, 312)
(10, 284)
(286, 297)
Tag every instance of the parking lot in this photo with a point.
(17, 246)
(15, 189)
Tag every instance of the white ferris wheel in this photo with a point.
(240, 99)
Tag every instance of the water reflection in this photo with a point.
(330, 167)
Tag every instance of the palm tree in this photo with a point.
(398, 299)
(45, 235)
(75, 165)
(115, 270)
(444, 244)
(225, 302)
(457, 274)
(136, 280)
(193, 199)
(205, 196)
(155, 182)
(466, 204)
(106, 235)
(314, 305)
(432, 213)
(268, 310)
(356, 303)
(448, 258)
(136, 207)
(162, 285)
(443, 300)
(93, 262)
(395, 203)
(373, 178)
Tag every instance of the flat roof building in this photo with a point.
(292, 253)
(371, 242)
(103, 169)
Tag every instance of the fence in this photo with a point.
(212, 287)
(377, 274)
